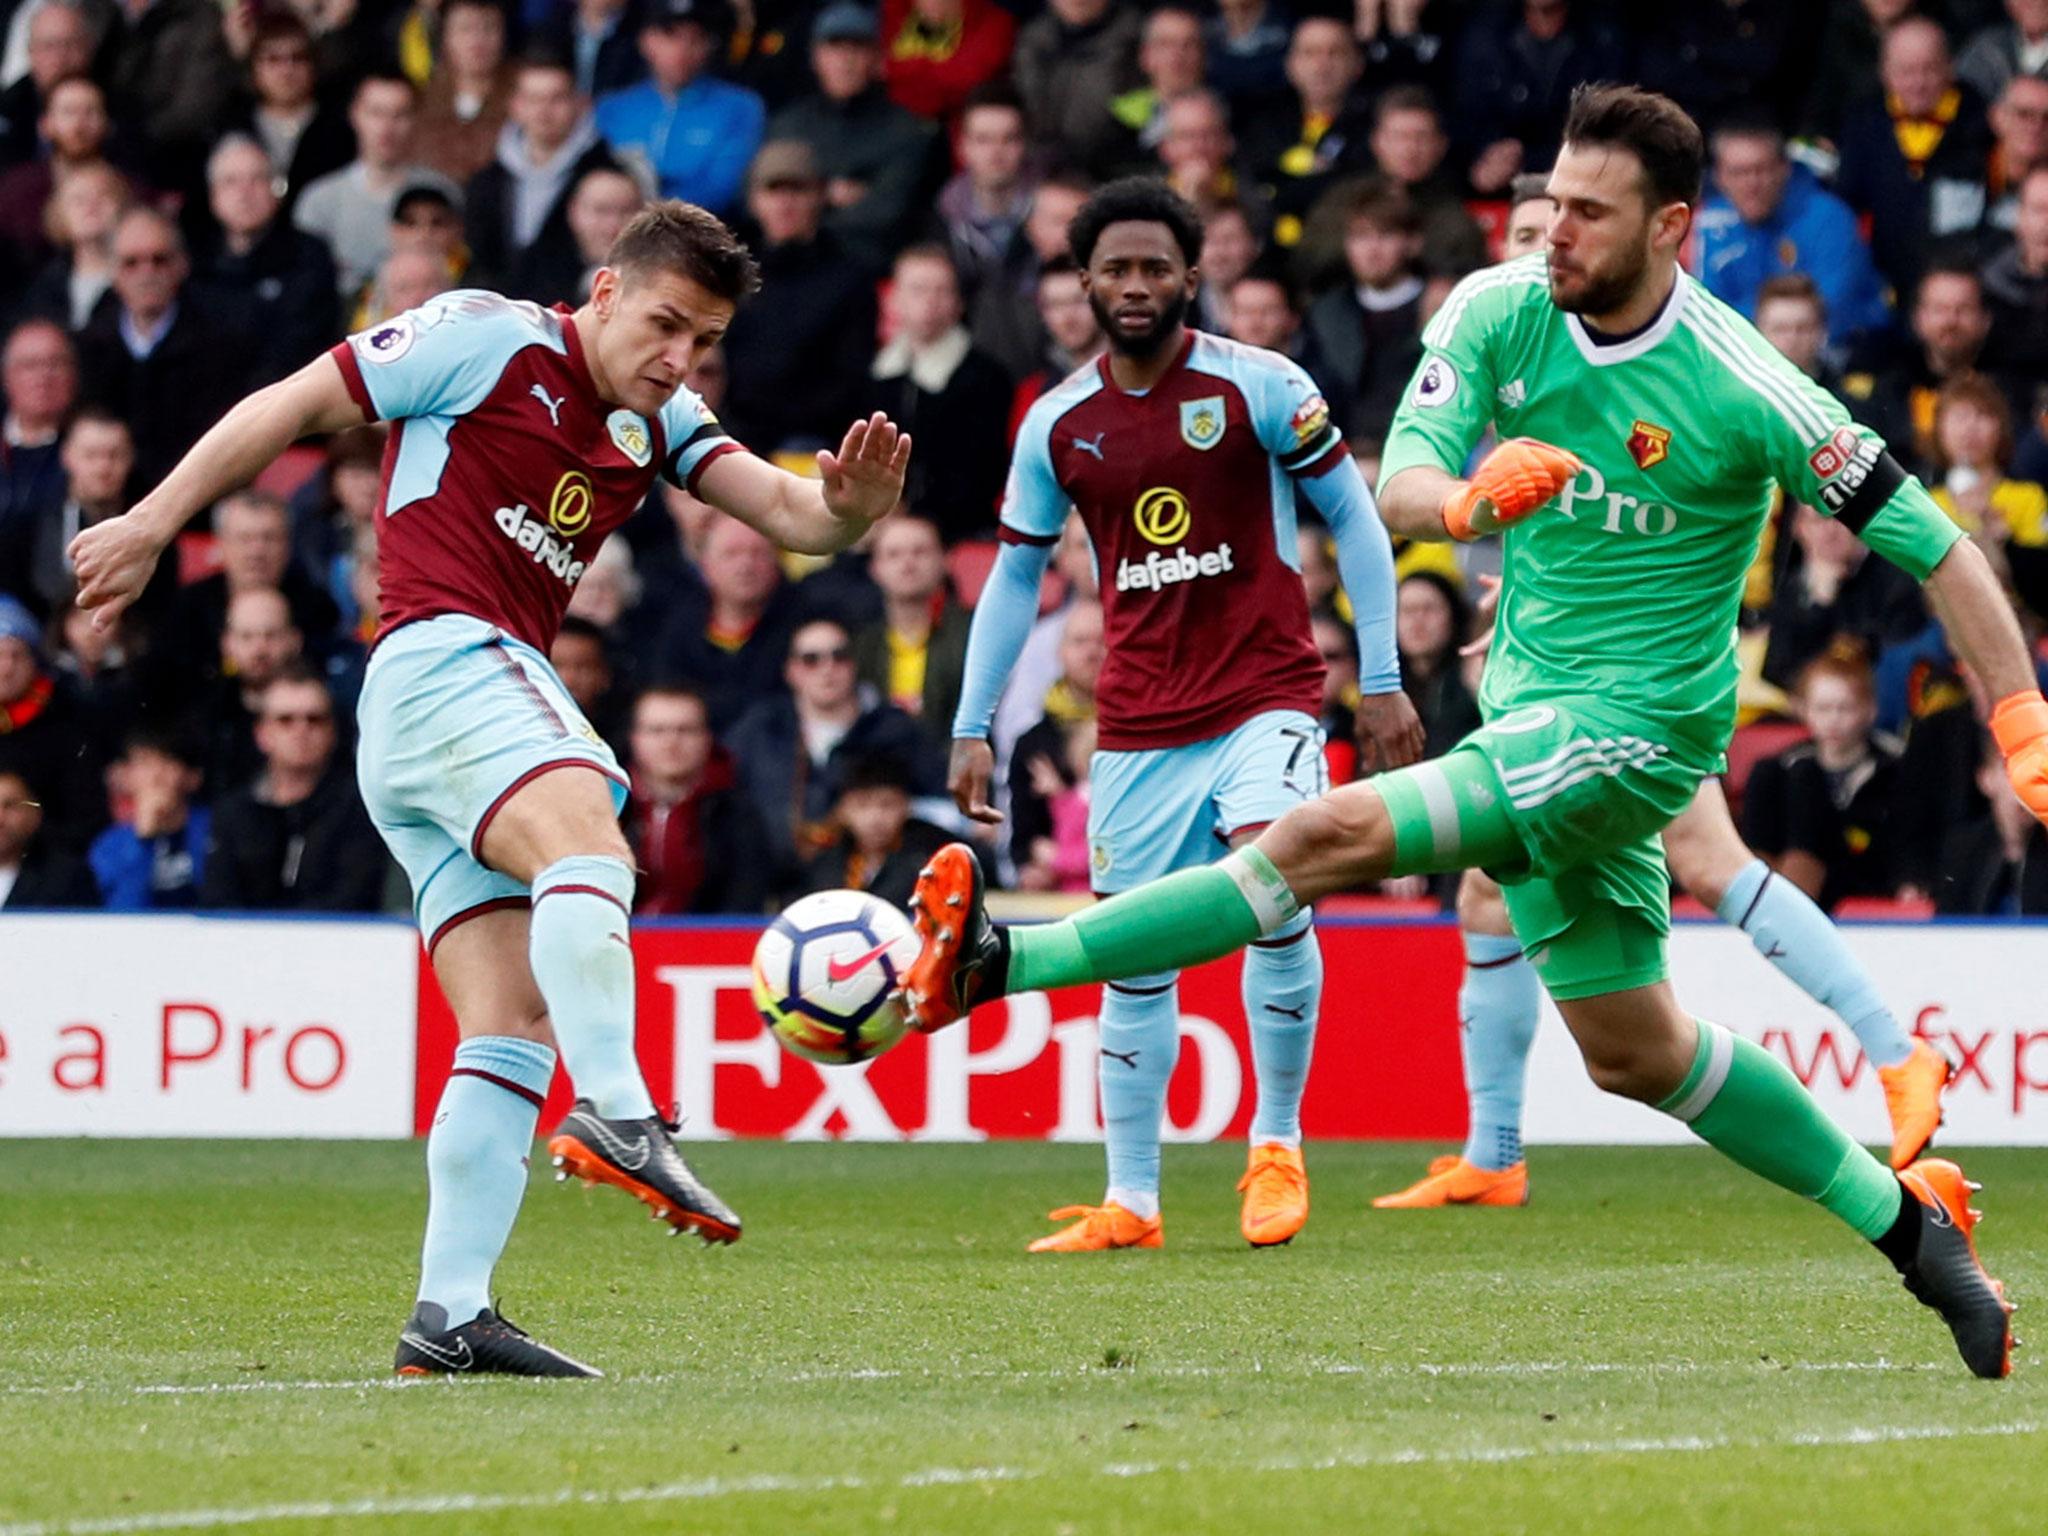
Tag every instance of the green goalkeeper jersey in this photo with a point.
(1627, 586)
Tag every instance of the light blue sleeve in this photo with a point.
(444, 357)
(1290, 416)
(1035, 504)
(692, 436)
(1003, 617)
(1365, 564)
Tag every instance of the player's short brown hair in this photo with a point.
(679, 237)
(1653, 128)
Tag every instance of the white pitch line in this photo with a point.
(945, 1477)
(1384, 1370)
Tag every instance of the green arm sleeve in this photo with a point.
(1450, 401)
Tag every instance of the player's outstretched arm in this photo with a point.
(1978, 619)
(114, 559)
(1513, 481)
(859, 484)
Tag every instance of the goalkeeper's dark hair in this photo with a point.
(1135, 200)
(1653, 128)
(679, 237)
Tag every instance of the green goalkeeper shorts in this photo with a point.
(1562, 802)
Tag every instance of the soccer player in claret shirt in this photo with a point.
(1183, 452)
(1646, 423)
(522, 437)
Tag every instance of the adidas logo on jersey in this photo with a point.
(1157, 570)
(531, 534)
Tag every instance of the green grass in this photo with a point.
(1658, 1344)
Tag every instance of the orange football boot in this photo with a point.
(1946, 1273)
(1100, 1227)
(960, 957)
(1453, 1181)
(1912, 1096)
(1275, 1188)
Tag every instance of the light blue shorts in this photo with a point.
(454, 716)
(1153, 812)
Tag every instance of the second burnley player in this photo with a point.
(1182, 453)
(1657, 423)
(521, 438)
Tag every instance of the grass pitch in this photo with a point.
(195, 1335)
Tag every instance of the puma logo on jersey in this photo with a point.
(1084, 445)
(533, 535)
(553, 403)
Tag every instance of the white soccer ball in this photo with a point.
(826, 973)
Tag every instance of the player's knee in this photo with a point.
(1481, 906)
(1325, 845)
(1621, 1067)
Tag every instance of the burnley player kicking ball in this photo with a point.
(522, 437)
(1182, 452)
(1646, 423)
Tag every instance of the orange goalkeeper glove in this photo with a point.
(1511, 482)
(2020, 727)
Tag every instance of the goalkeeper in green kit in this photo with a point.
(1645, 423)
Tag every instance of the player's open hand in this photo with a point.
(969, 775)
(2020, 726)
(113, 561)
(1511, 482)
(1389, 732)
(864, 479)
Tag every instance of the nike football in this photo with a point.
(826, 974)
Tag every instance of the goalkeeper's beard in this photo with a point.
(1602, 293)
(1146, 343)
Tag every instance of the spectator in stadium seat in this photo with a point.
(99, 669)
(1073, 336)
(1170, 65)
(1262, 313)
(949, 395)
(517, 207)
(160, 356)
(1197, 151)
(98, 457)
(80, 219)
(1517, 65)
(463, 106)
(303, 136)
(75, 128)
(601, 41)
(1914, 160)
(1338, 644)
(60, 45)
(1845, 63)
(278, 278)
(350, 209)
(794, 747)
(405, 279)
(798, 354)
(681, 129)
(697, 840)
(880, 846)
(257, 642)
(1793, 317)
(1408, 148)
(45, 735)
(2016, 46)
(1231, 243)
(916, 656)
(1367, 333)
(39, 379)
(1822, 813)
(2008, 517)
(1767, 217)
(2016, 285)
(1246, 44)
(1950, 326)
(1409, 42)
(938, 54)
(981, 210)
(153, 857)
(1070, 59)
(35, 872)
(1993, 865)
(599, 207)
(1039, 759)
(879, 160)
(171, 70)
(1432, 619)
(296, 837)
(1295, 156)
(2019, 118)
(732, 643)
(1833, 587)
(253, 531)
(1039, 665)
(1004, 314)
(582, 659)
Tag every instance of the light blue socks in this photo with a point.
(1283, 989)
(1795, 935)
(1140, 1028)
(582, 958)
(1498, 1005)
(476, 1167)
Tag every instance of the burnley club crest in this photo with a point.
(1201, 421)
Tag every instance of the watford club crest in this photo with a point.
(1649, 444)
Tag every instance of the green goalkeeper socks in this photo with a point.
(1182, 920)
(1741, 1101)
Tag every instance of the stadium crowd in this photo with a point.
(197, 196)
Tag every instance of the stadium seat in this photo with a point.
(290, 470)
(1884, 909)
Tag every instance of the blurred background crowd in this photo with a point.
(198, 195)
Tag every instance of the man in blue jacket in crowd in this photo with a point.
(683, 131)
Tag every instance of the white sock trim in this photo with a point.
(1720, 1056)
(1272, 902)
